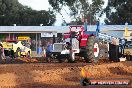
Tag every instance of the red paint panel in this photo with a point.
(95, 49)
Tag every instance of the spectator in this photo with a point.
(1, 53)
(44, 52)
(123, 41)
(48, 51)
(49, 48)
(12, 54)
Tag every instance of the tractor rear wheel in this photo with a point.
(93, 50)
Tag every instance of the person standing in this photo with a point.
(44, 52)
(123, 41)
(48, 50)
(12, 54)
(1, 53)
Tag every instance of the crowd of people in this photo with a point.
(47, 49)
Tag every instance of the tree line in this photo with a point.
(12, 12)
(117, 12)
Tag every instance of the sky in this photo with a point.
(44, 5)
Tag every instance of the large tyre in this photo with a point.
(18, 52)
(49, 57)
(93, 50)
(70, 59)
(28, 54)
(59, 57)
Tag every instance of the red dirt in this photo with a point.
(60, 75)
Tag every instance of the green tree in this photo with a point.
(119, 12)
(8, 9)
(80, 8)
(33, 17)
(12, 12)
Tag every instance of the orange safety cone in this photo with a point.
(84, 73)
(85, 77)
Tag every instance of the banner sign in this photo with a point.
(48, 34)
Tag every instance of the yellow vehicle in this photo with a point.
(128, 43)
(26, 40)
(18, 48)
(127, 33)
(85, 74)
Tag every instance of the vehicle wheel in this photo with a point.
(18, 52)
(128, 57)
(48, 59)
(28, 54)
(70, 60)
(58, 57)
(93, 50)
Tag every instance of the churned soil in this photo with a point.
(61, 75)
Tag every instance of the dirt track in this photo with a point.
(58, 75)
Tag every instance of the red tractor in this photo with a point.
(77, 42)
